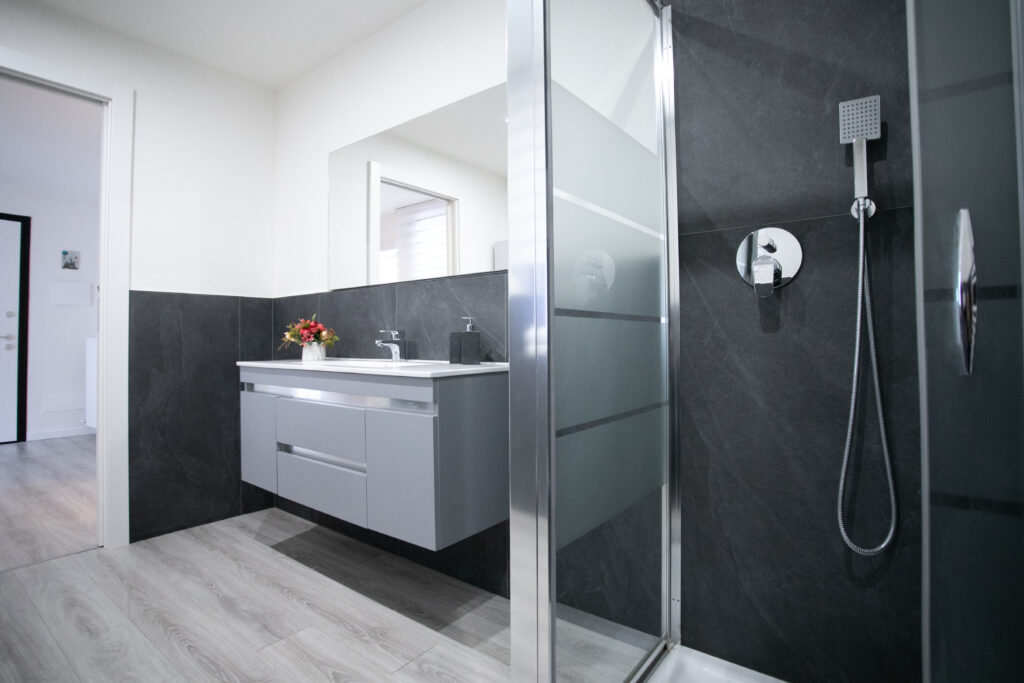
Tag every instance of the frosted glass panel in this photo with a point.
(602, 264)
(607, 367)
(609, 336)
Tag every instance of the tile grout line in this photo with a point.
(392, 673)
(260, 650)
(788, 221)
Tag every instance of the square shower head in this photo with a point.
(860, 119)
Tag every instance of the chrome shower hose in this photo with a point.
(864, 307)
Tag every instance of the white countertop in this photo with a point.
(427, 369)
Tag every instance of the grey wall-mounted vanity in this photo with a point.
(414, 450)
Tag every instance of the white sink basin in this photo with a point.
(423, 369)
(382, 362)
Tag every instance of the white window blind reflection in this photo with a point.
(413, 235)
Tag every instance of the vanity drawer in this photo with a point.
(338, 491)
(322, 427)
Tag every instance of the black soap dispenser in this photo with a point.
(465, 345)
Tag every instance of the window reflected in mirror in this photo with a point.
(417, 234)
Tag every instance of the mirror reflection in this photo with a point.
(427, 198)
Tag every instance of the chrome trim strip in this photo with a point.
(601, 211)
(672, 511)
(326, 458)
(922, 353)
(654, 658)
(529, 310)
(337, 398)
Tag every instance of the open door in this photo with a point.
(14, 251)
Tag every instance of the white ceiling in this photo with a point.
(50, 140)
(271, 42)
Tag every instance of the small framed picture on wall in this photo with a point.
(69, 259)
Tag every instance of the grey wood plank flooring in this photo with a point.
(264, 597)
(200, 647)
(47, 499)
(101, 643)
(327, 655)
(28, 651)
(382, 632)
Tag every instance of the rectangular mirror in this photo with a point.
(427, 198)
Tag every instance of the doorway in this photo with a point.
(51, 184)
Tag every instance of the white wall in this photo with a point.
(56, 357)
(482, 195)
(439, 53)
(202, 211)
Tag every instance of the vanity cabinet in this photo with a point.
(424, 460)
(259, 440)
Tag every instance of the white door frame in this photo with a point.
(115, 271)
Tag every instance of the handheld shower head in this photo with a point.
(860, 121)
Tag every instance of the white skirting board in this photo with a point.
(59, 433)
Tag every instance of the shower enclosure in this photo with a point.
(591, 282)
(966, 67)
(594, 343)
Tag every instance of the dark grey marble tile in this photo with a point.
(757, 92)
(358, 315)
(430, 310)
(614, 571)
(289, 309)
(976, 630)
(481, 560)
(764, 392)
(256, 338)
(183, 440)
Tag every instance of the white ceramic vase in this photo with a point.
(314, 352)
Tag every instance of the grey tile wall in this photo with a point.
(426, 311)
(358, 315)
(764, 385)
(183, 441)
(430, 310)
(757, 92)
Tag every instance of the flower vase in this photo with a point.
(312, 351)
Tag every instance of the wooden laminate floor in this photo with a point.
(47, 499)
(263, 597)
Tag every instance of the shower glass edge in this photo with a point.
(532, 304)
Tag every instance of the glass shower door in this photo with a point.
(609, 332)
(966, 93)
(593, 265)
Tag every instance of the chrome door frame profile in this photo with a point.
(531, 427)
(530, 310)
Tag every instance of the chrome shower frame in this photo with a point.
(530, 310)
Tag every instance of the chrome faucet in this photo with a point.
(394, 343)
